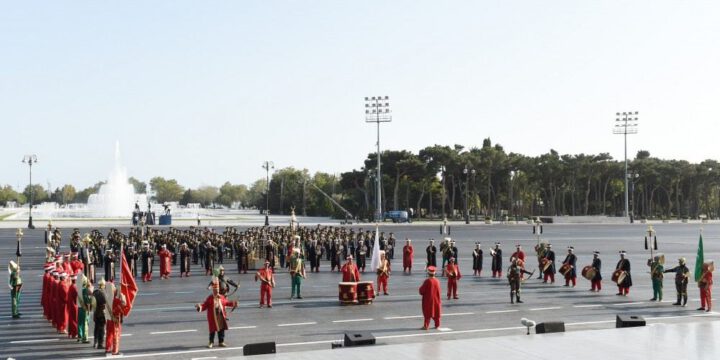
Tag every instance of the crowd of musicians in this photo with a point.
(80, 272)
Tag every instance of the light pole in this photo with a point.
(442, 198)
(430, 207)
(633, 175)
(377, 110)
(30, 160)
(467, 171)
(267, 165)
(626, 123)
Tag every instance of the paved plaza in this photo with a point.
(164, 323)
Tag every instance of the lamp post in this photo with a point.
(632, 176)
(30, 160)
(377, 110)
(626, 123)
(267, 165)
(442, 198)
(430, 207)
(468, 172)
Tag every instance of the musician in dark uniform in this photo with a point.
(431, 252)
(147, 262)
(362, 253)
(496, 265)
(315, 252)
(596, 281)
(270, 253)
(514, 275)
(109, 265)
(549, 273)
(209, 260)
(571, 275)
(241, 256)
(477, 260)
(624, 265)
(681, 281)
(185, 255)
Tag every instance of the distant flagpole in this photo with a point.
(700, 259)
(375, 263)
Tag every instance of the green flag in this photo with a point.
(699, 260)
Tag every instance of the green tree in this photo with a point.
(139, 186)
(38, 194)
(230, 194)
(166, 190)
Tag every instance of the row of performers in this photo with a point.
(70, 302)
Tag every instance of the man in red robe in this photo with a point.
(47, 279)
(61, 320)
(452, 271)
(408, 256)
(114, 307)
(267, 282)
(216, 316)
(165, 262)
(72, 309)
(350, 272)
(75, 264)
(431, 302)
(705, 285)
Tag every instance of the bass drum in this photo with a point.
(565, 269)
(618, 276)
(588, 272)
(546, 265)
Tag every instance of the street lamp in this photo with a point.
(632, 176)
(442, 198)
(377, 110)
(267, 165)
(430, 207)
(468, 172)
(626, 123)
(30, 160)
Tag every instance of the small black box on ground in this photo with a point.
(550, 327)
(623, 321)
(259, 348)
(359, 338)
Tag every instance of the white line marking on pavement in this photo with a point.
(459, 314)
(588, 306)
(242, 327)
(33, 341)
(402, 317)
(547, 308)
(629, 303)
(204, 358)
(351, 320)
(189, 307)
(501, 311)
(298, 324)
(307, 343)
(147, 294)
(450, 332)
(184, 292)
(444, 329)
(172, 332)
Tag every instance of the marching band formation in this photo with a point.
(74, 293)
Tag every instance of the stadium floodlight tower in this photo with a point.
(377, 110)
(626, 123)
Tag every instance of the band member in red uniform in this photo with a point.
(72, 308)
(518, 254)
(165, 262)
(383, 274)
(47, 280)
(216, 315)
(624, 264)
(431, 301)
(571, 259)
(705, 285)
(267, 282)
(350, 271)
(408, 256)
(113, 328)
(452, 271)
(62, 315)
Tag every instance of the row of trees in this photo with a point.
(443, 181)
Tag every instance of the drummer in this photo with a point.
(571, 260)
(549, 272)
(626, 283)
(597, 279)
(350, 271)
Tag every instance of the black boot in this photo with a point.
(518, 299)
(678, 300)
(512, 297)
(684, 300)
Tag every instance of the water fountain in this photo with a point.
(117, 197)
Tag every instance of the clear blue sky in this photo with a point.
(204, 91)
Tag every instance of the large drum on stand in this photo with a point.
(365, 292)
(589, 272)
(347, 293)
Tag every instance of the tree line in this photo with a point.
(450, 181)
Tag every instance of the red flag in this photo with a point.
(128, 287)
